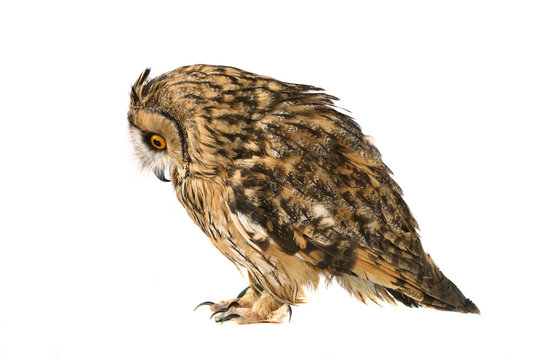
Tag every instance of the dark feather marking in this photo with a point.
(231, 78)
(182, 133)
(207, 84)
(197, 98)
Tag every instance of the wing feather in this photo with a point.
(319, 190)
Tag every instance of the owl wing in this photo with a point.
(319, 190)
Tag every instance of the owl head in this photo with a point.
(202, 118)
(158, 137)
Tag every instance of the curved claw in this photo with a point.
(228, 317)
(204, 303)
(243, 292)
(290, 312)
(218, 311)
(224, 309)
(233, 304)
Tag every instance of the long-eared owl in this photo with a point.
(285, 186)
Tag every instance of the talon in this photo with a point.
(218, 311)
(228, 317)
(290, 312)
(233, 304)
(243, 292)
(204, 303)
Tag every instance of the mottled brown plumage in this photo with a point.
(286, 187)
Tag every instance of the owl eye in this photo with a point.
(158, 141)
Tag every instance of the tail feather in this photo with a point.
(404, 299)
(441, 293)
(467, 307)
(426, 286)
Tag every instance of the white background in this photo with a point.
(99, 260)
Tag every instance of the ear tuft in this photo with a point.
(137, 88)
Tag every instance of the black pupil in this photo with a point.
(157, 143)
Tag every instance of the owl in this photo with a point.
(286, 187)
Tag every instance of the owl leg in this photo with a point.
(253, 305)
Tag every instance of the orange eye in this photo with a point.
(158, 142)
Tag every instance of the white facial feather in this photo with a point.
(153, 160)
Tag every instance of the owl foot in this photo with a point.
(250, 307)
(249, 316)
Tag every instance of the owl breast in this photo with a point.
(204, 200)
(207, 203)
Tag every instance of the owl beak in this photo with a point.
(160, 174)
